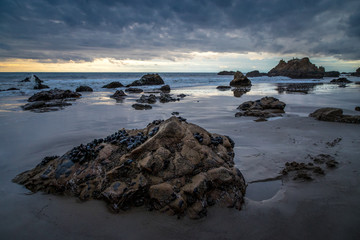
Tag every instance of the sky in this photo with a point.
(176, 36)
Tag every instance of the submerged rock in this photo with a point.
(84, 89)
(264, 108)
(223, 88)
(239, 91)
(297, 68)
(139, 106)
(134, 90)
(296, 87)
(151, 99)
(340, 80)
(113, 85)
(148, 79)
(164, 167)
(334, 115)
(240, 80)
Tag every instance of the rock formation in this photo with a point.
(51, 100)
(226, 73)
(171, 166)
(113, 85)
(118, 95)
(134, 90)
(340, 80)
(264, 108)
(297, 68)
(334, 115)
(296, 87)
(255, 73)
(84, 89)
(148, 79)
(165, 89)
(38, 83)
(357, 73)
(240, 80)
(332, 74)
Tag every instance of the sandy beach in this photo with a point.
(325, 208)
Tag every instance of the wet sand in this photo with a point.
(326, 208)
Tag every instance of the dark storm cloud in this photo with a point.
(84, 30)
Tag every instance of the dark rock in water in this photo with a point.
(357, 73)
(238, 92)
(255, 73)
(334, 115)
(134, 90)
(148, 79)
(240, 80)
(165, 89)
(226, 73)
(10, 89)
(181, 95)
(165, 97)
(297, 87)
(264, 108)
(38, 80)
(113, 85)
(84, 89)
(53, 94)
(171, 166)
(340, 80)
(175, 113)
(223, 88)
(151, 99)
(139, 106)
(27, 79)
(357, 108)
(119, 94)
(332, 74)
(51, 100)
(46, 106)
(297, 68)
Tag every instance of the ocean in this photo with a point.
(96, 80)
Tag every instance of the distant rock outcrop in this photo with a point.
(113, 85)
(297, 68)
(334, 115)
(332, 74)
(148, 79)
(226, 73)
(255, 73)
(240, 80)
(84, 89)
(172, 166)
(357, 73)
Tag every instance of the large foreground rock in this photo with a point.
(240, 80)
(297, 68)
(171, 166)
(148, 79)
(334, 115)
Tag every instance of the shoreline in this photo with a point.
(297, 210)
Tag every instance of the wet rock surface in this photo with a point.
(51, 100)
(39, 83)
(264, 108)
(297, 68)
(240, 80)
(118, 95)
(139, 106)
(334, 115)
(84, 89)
(148, 79)
(113, 85)
(308, 171)
(239, 91)
(134, 90)
(223, 88)
(171, 166)
(165, 89)
(340, 80)
(297, 87)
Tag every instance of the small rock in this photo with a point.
(357, 108)
(165, 89)
(139, 106)
(148, 79)
(133, 90)
(240, 80)
(223, 88)
(113, 85)
(84, 89)
(119, 94)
